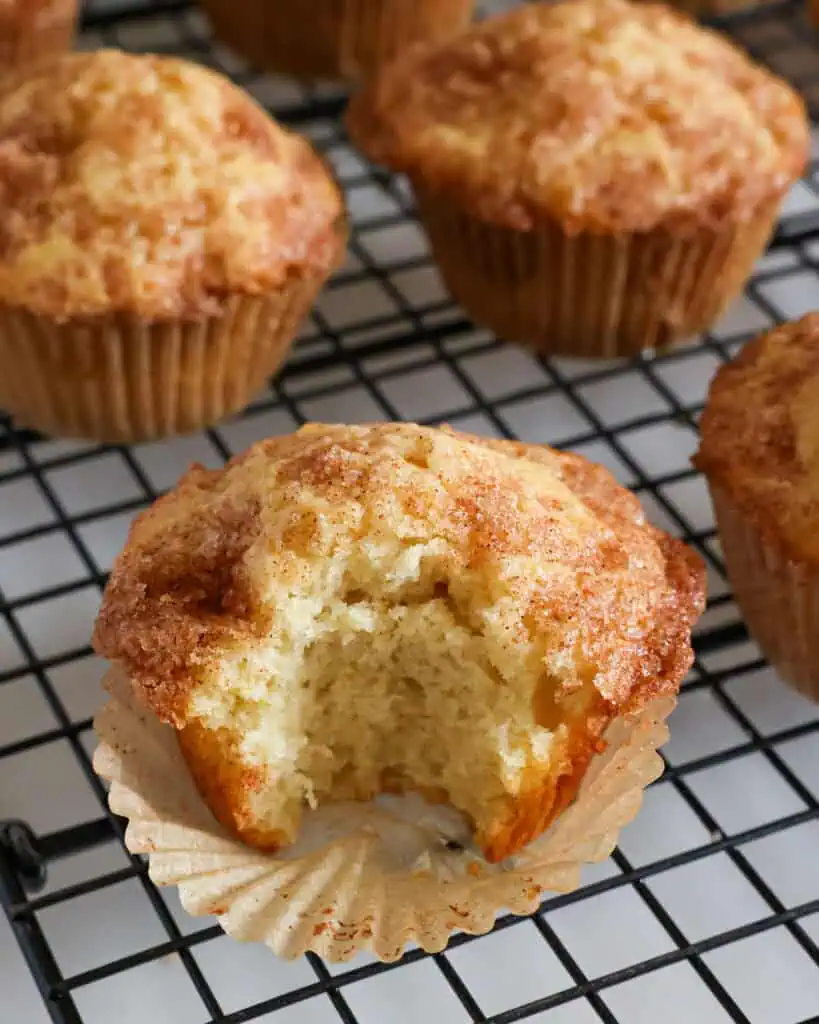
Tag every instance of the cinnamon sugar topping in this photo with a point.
(153, 186)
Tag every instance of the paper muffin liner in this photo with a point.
(346, 39)
(778, 598)
(120, 379)
(361, 876)
(49, 33)
(591, 295)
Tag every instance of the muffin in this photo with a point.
(595, 177)
(760, 454)
(160, 240)
(343, 39)
(349, 611)
(31, 30)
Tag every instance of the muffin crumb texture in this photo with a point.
(151, 186)
(760, 436)
(353, 610)
(603, 115)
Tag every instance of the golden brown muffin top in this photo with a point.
(152, 186)
(604, 115)
(542, 553)
(760, 435)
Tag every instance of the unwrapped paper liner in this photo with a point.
(362, 876)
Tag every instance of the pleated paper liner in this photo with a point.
(778, 598)
(362, 876)
(121, 379)
(344, 39)
(590, 295)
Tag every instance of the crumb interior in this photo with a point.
(387, 676)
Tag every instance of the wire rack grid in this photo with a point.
(709, 908)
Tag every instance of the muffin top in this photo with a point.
(542, 554)
(760, 435)
(151, 186)
(603, 115)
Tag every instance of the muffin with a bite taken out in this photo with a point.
(349, 611)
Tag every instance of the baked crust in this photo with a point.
(598, 114)
(151, 186)
(616, 607)
(760, 436)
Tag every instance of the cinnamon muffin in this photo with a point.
(160, 239)
(352, 610)
(596, 177)
(346, 39)
(33, 29)
(760, 455)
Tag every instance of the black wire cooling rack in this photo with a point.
(708, 910)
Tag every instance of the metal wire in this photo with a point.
(359, 361)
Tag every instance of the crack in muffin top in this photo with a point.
(601, 114)
(152, 186)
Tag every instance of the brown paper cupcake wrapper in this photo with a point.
(588, 294)
(778, 598)
(345, 39)
(118, 379)
(50, 33)
(362, 876)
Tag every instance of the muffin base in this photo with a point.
(587, 294)
(361, 876)
(778, 598)
(221, 776)
(119, 379)
(345, 39)
(51, 33)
